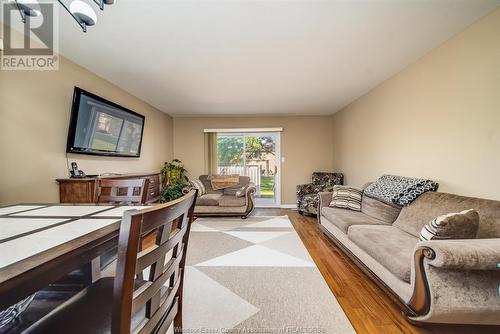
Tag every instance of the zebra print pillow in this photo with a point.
(461, 225)
(346, 198)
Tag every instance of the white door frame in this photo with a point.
(277, 180)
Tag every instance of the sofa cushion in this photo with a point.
(379, 210)
(209, 199)
(433, 204)
(343, 218)
(459, 225)
(345, 197)
(390, 246)
(244, 182)
(229, 200)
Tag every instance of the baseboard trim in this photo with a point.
(288, 206)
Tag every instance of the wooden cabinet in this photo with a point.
(84, 190)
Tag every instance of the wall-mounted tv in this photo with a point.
(101, 127)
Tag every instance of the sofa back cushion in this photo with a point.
(433, 204)
(379, 210)
(208, 185)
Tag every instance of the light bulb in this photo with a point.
(83, 12)
(29, 7)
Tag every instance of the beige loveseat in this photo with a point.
(436, 281)
(225, 202)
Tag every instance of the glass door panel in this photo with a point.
(254, 155)
(230, 154)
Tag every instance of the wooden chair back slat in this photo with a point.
(160, 296)
(166, 302)
(143, 295)
(174, 311)
(148, 257)
(109, 191)
(157, 218)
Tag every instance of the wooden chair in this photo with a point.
(130, 191)
(126, 304)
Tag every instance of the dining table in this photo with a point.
(41, 243)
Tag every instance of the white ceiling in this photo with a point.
(261, 57)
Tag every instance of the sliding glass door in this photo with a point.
(255, 155)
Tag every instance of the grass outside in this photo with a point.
(104, 141)
(267, 186)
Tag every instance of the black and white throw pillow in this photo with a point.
(460, 225)
(346, 198)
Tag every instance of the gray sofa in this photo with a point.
(436, 281)
(225, 202)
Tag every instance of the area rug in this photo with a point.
(255, 276)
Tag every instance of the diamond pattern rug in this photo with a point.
(255, 276)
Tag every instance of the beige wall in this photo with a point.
(34, 117)
(438, 119)
(305, 144)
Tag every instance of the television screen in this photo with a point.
(101, 127)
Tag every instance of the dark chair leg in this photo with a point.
(301, 212)
(243, 217)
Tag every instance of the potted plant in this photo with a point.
(173, 179)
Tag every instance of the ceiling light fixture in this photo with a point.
(81, 11)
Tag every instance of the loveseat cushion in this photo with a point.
(433, 204)
(390, 246)
(244, 182)
(343, 218)
(229, 200)
(379, 210)
(209, 199)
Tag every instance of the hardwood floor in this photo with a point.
(365, 304)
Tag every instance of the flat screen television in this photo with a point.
(101, 127)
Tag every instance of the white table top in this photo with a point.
(28, 230)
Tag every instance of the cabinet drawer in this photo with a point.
(154, 181)
(154, 187)
(153, 194)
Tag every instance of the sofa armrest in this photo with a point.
(464, 254)
(324, 200)
(250, 189)
(186, 190)
(250, 192)
(456, 281)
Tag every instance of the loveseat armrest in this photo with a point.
(249, 198)
(251, 189)
(464, 254)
